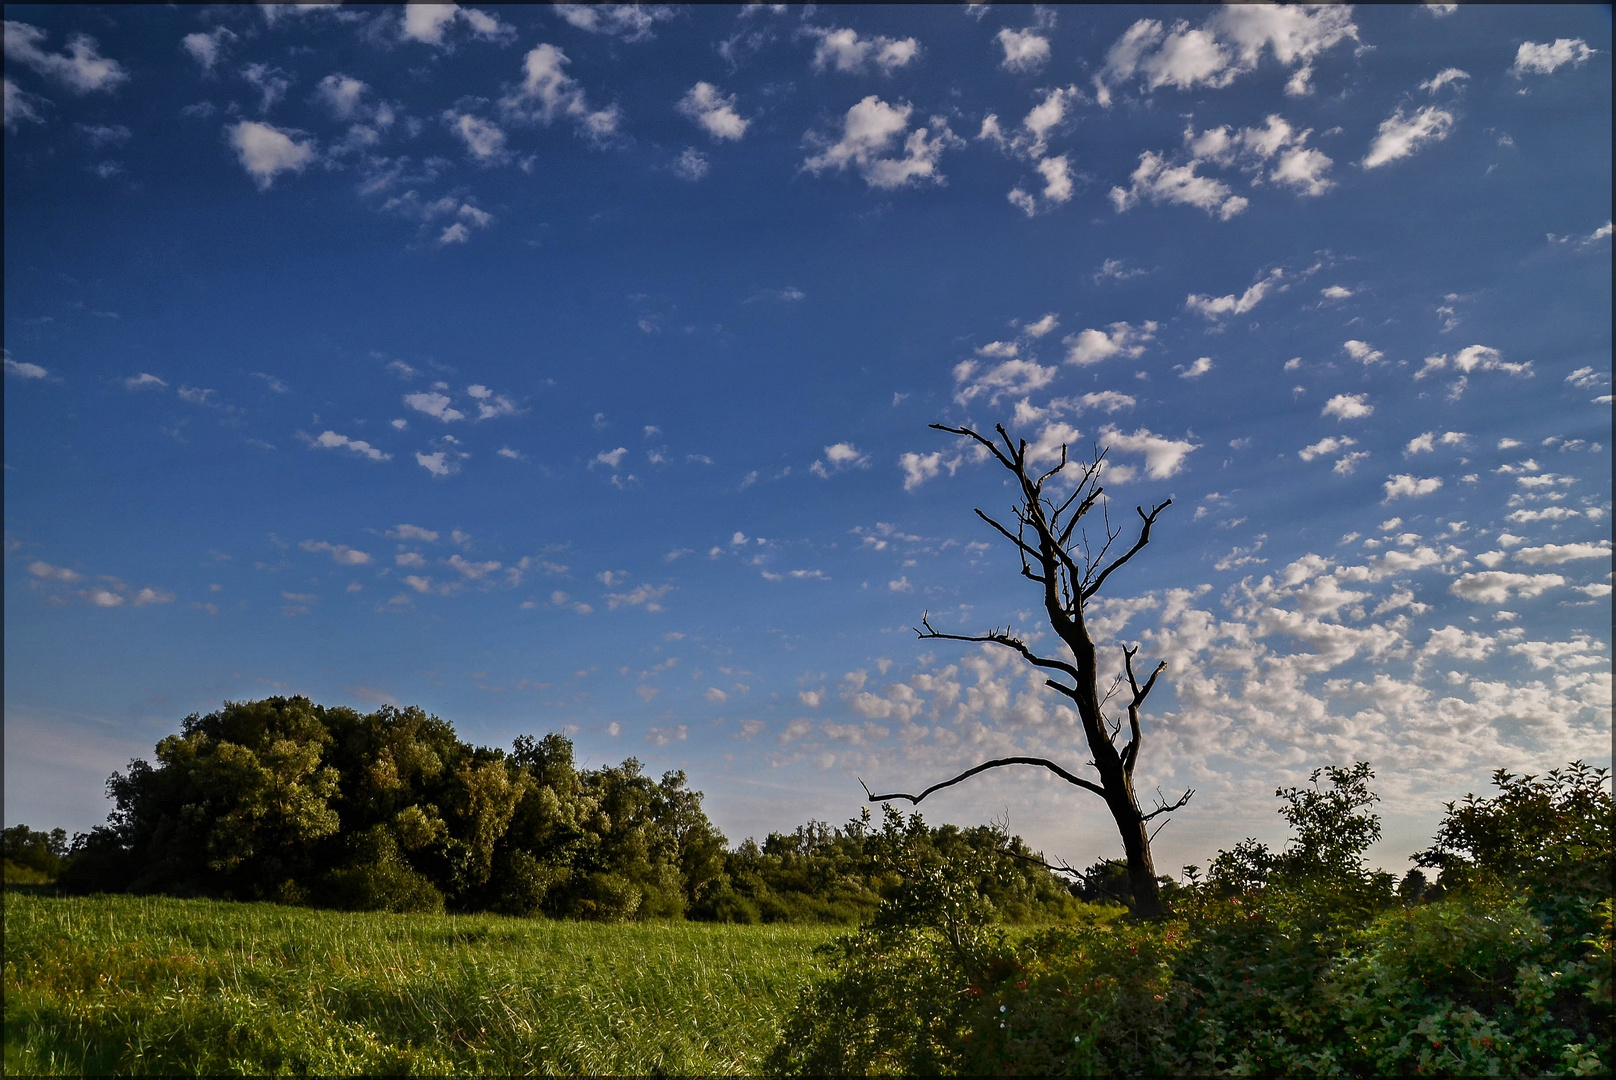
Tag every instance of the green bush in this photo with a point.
(1301, 961)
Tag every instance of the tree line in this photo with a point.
(290, 801)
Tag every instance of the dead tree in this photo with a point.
(1070, 573)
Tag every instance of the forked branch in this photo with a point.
(1070, 778)
(997, 638)
(1138, 545)
(1162, 805)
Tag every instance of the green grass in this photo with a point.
(156, 985)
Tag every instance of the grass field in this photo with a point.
(156, 985)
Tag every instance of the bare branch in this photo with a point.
(994, 450)
(1162, 806)
(997, 638)
(1070, 778)
(1144, 538)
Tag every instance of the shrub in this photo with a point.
(1471, 985)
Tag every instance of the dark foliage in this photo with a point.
(33, 855)
(286, 800)
(1300, 961)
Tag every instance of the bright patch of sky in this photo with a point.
(569, 369)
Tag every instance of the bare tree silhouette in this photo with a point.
(1070, 573)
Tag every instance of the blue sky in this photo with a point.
(569, 369)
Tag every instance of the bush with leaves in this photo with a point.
(31, 855)
(1297, 961)
(1474, 985)
(1547, 838)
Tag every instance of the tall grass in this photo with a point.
(157, 985)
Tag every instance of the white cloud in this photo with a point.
(1363, 352)
(341, 554)
(844, 50)
(434, 404)
(1013, 377)
(691, 165)
(22, 369)
(1443, 78)
(1401, 134)
(1024, 50)
(1222, 306)
(641, 596)
(1497, 586)
(609, 458)
(21, 107)
(82, 68)
(1347, 406)
(629, 22)
(1163, 457)
(1554, 554)
(869, 132)
(707, 107)
(207, 49)
(1347, 464)
(1328, 445)
(490, 404)
(1155, 181)
(1057, 175)
(1335, 292)
(266, 151)
(42, 569)
(1404, 485)
(1230, 43)
(547, 92)
(412, 533)
(1474, 358)
(483, 139)
(1201, 366)
(472, 571)
(1121, 339)
(1531, 58)
(918, 468)
(838, 457)
(427, 22)
(330, 440)
(342, 94)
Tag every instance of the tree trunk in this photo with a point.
(1069, 576)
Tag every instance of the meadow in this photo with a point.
(155, 985)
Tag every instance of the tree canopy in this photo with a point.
(283, 799)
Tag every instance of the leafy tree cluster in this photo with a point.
(1297, 961)
(821, 874)
(287, 800)
(32, 855)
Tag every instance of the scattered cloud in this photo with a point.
(1498, 586)
(341, 554)
(1220, 307)
(839, 457)
(707, 107)
(266, 151)
(1532, 58)
(870, 131)
(1404, 485)
(1347, 406)
(81, 68)
(1119, 339)
(330, 440)
(547, 93)
(626, 22)
(845, 51)
(1025, 51)
(1404, 133)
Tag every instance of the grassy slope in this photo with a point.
(155, 985)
